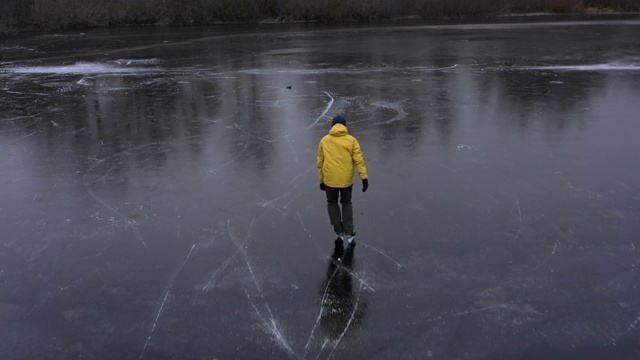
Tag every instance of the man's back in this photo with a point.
(338, 152)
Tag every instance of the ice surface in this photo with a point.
(160, 197)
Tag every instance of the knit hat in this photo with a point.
(338, 120)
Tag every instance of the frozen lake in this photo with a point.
(159, 195)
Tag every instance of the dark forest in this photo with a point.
(19, 15)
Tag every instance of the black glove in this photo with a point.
(322, 187)
(365, 184)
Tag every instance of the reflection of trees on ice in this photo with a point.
(341, 307)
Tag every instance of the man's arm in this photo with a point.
(320, 163)
(358, 160)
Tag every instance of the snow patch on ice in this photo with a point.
(62, 35)
(77, 68)
(84, 81)
(15, 48)
(593, 67)
(128, 62)
(350, 70)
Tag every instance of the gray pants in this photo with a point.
(342, 221)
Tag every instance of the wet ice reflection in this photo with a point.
(168, 181)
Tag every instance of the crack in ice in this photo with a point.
(154, 325)
(322, 348)
(401, 113)
(322, 301)
(172, 279)
(353, 313)
(254, 136)
(381, 253)
(325, 110)
(269, 323)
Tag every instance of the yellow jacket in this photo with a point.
(338, 152)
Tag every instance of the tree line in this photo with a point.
(19, 15)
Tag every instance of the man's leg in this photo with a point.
(334, 209)
(347, 210)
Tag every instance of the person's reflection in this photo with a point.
(342, 309)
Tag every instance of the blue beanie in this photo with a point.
(338, 120)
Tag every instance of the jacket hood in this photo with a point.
(338, 130)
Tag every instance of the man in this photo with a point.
(338, 152)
